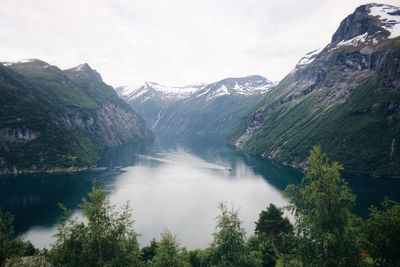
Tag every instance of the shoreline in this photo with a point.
(54, 170)
(301, 167)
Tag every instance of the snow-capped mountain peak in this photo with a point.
(244, 86)
(151, 90)
(389, 17)
(367, 27)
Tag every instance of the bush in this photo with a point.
(382, 234)
(107, 239)
(169, 253)
(11, 244)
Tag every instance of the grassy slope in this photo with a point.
(358, 133)
(215, 117)
(37, 98)
(24, 104)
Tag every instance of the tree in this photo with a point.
(382, 234)
(147, 253)
(11, 244)
(169, 254)
(322, 206)
(196, 257)
(272, 226)
(262, 252)
(107, 239)
(228, 246)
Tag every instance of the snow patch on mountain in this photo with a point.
(354, 41)
(245, 86)
(389, 15)
(309, 57)
(80, 67)
(221, 91)
(9, 63)
(385, 17)
(150, 90)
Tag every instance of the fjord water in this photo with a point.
(174, 183)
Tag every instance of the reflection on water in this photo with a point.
(172, 184)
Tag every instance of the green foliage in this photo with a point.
(12, 245)
(269, 254)
(272, 226)
(261, 252)
(61, 112)
(326, 235)
(29, 261)
(199, 116)
(107, 239)
(169, 253)
(359, 132)
(228, 246)
(196, 257)
(382, 234)
(147, 253)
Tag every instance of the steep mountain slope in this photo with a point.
(151, 99)
(55, 120)
(215, 108)
(345, 97)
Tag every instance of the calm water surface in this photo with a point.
(174, 183)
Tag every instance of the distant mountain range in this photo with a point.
(53, 119)
(151, 98)
(199, 109)
(344, 97)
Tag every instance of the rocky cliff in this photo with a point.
(60, 120)
(344, 97)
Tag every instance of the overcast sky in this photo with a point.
(172, 42)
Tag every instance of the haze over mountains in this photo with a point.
(199, 109)
(344, 97)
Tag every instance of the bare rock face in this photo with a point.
(376, 20)
(17, 134)
(356, 24)
(213, 108)
(337, 97)
(117, 125)
(55, 120)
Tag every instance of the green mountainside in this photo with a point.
(345, 98)
(57, 120)
(198, 109)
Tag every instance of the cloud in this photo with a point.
(172, 42)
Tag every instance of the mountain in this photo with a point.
(52, 119)
(150, 99)
(200, 108)
(344, 97)
(215, 108)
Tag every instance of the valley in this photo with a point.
(198, 109)
(114, 166)
(179, 180)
